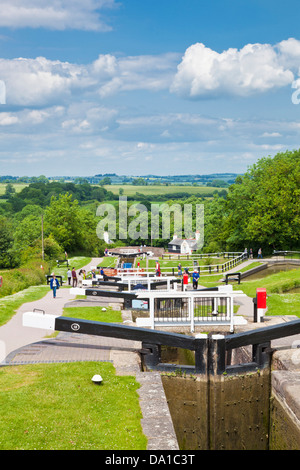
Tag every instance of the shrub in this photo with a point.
(15, 280)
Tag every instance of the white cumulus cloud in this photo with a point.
(41, 81)
(255, 68)
(55, 14)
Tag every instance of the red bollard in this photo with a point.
(261, 302)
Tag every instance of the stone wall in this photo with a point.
(285, 400)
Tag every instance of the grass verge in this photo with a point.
(283, 304)
(94, 314)
(10, 304)
(58, 407)
(275, 283)
(76, 262)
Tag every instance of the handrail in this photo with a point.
(286, 254)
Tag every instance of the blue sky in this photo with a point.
(145, 86)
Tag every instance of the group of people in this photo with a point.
(185, 277)
(250, 254)
(73, 279)
(77, 280)
(72, 276)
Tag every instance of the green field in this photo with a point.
(18, 187)
(131, 190)
(155, 190)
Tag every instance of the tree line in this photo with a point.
(260, 210)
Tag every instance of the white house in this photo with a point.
(185, 246)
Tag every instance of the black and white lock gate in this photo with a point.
(212, 353)
(126, 297)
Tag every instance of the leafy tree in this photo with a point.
(139, 182)
(262, 207)
(62, 220)
(27, 232)
(105, 180)
(52, 249)
(9, 190)
(6, 243)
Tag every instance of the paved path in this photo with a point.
(23, 345)
(14, 336)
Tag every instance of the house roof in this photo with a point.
(179, 241)
(176, 241)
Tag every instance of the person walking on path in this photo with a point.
(80, 278)
(54, 285)
(259, 253)
(195, 279)
(74, 278)
(69, 276)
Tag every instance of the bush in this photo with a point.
(52, 249)
(15, 280)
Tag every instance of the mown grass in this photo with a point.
(11, 303)
(172, 263)
(279, 301)
(255, 264)
(108, 315)
(283, 304)
(58, 407)
(109, 261)
(76, 262)
(277, 283)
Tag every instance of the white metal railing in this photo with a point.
(218, 254)
(167, 271)
(191, 308)
(133, 280)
